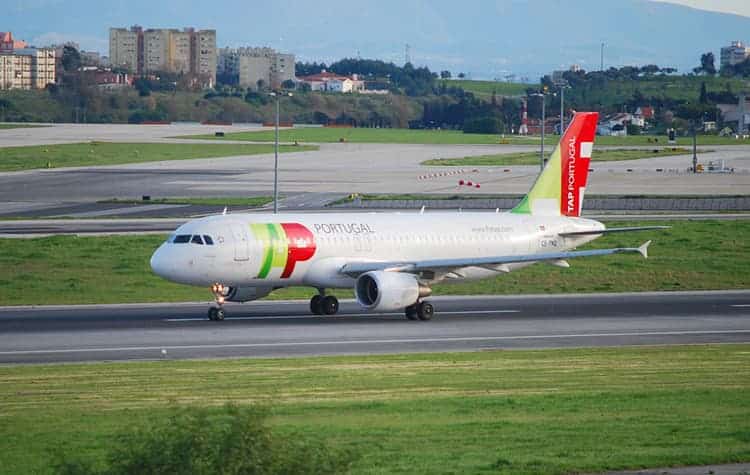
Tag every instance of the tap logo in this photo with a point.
(284, 245)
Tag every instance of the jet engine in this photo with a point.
(387, 291)
(245, 294)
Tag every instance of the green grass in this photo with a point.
(532, 158)
(250, 202)
(484, 89)
(106, 153)
(5, 126)
(412, 136)
(545, 412)
(693, 255)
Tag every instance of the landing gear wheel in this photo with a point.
(425, 311)
(329, 305)
(215, 314)
(411, 312)
(316, 305)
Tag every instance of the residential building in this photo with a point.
(27, 68)
(251, 65)
(330, 82)
(735, 53)
(187, 51)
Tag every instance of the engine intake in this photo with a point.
(387, 291)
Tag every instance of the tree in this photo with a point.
(708, 64)
(71, 59)
(703, 99)
(461, 75)
(445, 74)
(288, 84)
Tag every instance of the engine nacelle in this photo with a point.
(388, 291)
(245, 294)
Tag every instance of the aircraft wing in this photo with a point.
(354, 269)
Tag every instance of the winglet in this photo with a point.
(224, 212)
(643, 249)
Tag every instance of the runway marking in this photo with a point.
(339, 315)
(743, 305)
(372, 342)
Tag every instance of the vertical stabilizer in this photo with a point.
(560, 187)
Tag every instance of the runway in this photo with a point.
(285, 328)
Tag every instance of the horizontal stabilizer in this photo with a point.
(613, 230)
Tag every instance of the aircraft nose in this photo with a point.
(160, 263)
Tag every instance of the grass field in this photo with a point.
(484, 89)
(106, 153)
(250, 202)
(532, 158)
(525, 412)
(409, 136)
(692, 255)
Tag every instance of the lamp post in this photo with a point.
(276, 154)
(544, 104)
(563, 85)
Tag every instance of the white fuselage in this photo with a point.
(245, 254)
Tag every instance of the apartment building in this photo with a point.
(735, 53)
(27, 68)
(251, 65)
(186, 51)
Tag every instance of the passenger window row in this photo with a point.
(195, 239)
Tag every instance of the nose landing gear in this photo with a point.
(216, 313)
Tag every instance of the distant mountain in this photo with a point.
(483, 38)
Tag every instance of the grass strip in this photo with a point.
(108, 153)
(414, 136)
(5, 126)
(532, 158)
(692, 255)
(250, 202)
(538, 412)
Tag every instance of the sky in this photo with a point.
(738, 7)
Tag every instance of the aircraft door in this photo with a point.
(241, 242)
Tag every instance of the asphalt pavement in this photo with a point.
(285, 328)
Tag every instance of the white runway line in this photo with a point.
(339, 315)
(743, 305)
(373, 342)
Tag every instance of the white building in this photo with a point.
(735, 53)
(27, 68)
(330, 82)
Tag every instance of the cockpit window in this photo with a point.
(208, 240)
(197, 240)
(181, 239)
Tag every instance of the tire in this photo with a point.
(411, 312)
(316, 305)
(212, 314)
(425, 311)
(330, 305)
(219, 315)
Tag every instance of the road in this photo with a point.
(283, 329)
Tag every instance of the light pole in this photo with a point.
(602, 58)
(544, 104)
(563, 86)
(276, 154)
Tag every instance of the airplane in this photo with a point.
(391, 260)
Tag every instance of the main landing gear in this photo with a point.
(322, 304)
(216, 313)
(420, 311)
